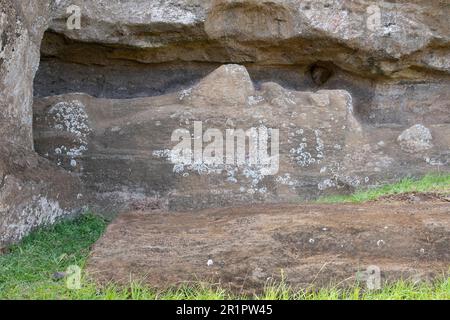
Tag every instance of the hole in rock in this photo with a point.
(321, 72)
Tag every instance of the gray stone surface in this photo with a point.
(409, 34)
(33, 191)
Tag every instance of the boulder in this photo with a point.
(415, 139)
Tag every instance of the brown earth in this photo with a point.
(309, 244)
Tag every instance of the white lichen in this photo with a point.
(71, 117)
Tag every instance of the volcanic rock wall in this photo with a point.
(359, 92)
(33, 191)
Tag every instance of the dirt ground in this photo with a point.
(243, 248)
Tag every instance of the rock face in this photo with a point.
(124, 150)
(21, 29)
(364, 36)
(229, 85)
(33, 191)
(307, 245)
(115, 156)
(340, 81)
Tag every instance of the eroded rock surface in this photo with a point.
(229, 85)
(21, 30)
(33, 191)
(126, 156)
(310, 246)
(364, 36)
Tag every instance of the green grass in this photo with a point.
(26, 272)
(429, 183)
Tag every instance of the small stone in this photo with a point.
(415, 139)
(59, 275)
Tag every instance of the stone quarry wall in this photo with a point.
(359, 99)
(33, 191)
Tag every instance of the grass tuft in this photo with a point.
(27, 270)
(438, 183)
